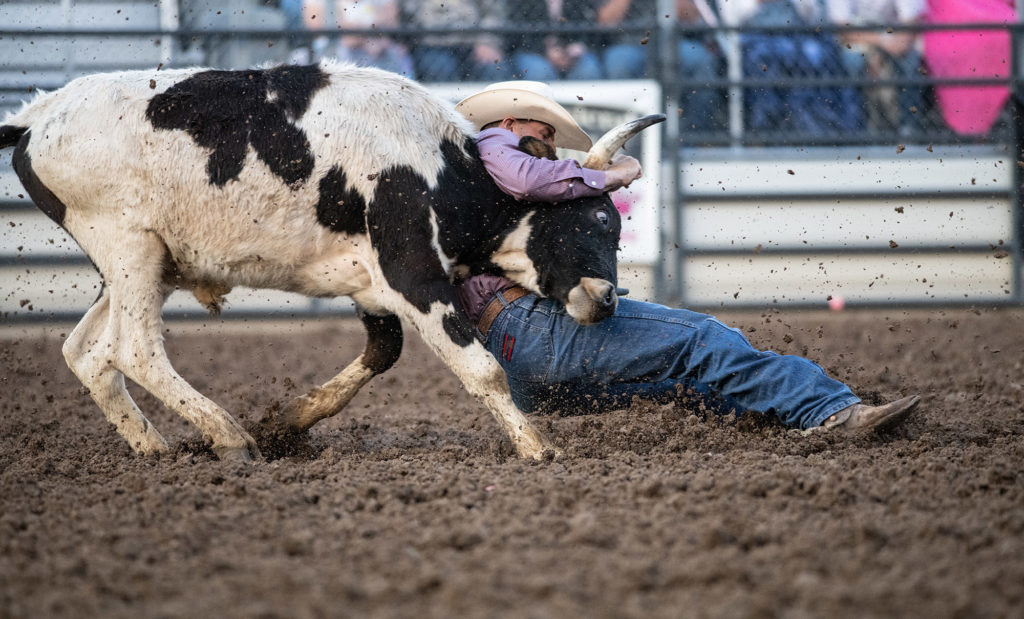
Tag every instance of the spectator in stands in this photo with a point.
(969, 110)
(375, 51)
(311, 15)
(460, 55)
(699, 61)
(877, 53)
(738, 12)
(292, 11)
(625, 56)
(774, 57)
(549, 57)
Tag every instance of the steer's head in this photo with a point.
(567, 251)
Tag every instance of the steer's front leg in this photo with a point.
(490, 385)
(450, 335)
(408, 241)
(484, 378)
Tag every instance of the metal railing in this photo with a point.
(197, 46)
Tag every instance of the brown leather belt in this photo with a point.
(494, 308)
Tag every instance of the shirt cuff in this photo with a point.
(593, 179)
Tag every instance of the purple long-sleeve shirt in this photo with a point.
(524, 177)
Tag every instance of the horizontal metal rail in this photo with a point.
(653, 27)
(866, 304)
(196, 316)
(660, 38)
(855, 250)
(693, 196)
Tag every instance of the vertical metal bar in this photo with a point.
(168, 23)
(667, 266)
(735, 68)
(68, 44)
(1016, 191)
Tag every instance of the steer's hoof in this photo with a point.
(236, 454)
(547, 453)
(550, 455)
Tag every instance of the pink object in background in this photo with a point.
(836, 303)
(975, 53)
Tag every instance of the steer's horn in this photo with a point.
(600, 154)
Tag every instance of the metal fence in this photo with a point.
(797, 164)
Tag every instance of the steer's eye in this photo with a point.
(602, 217)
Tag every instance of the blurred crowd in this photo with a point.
(815, 80)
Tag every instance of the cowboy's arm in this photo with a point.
(526, 177)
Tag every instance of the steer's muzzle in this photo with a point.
(592, 300)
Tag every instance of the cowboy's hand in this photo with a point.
(622, 171)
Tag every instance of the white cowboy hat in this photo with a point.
(529, 100)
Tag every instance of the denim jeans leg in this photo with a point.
(644, 344)
(521, 340)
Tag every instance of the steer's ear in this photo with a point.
(459, 274)
(541, 150)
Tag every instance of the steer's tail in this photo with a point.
(9, 135)
(16, 124)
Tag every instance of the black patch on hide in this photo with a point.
(458, 328)
(383, 341)
(45, 199)
(401, 232)
(339, 208)
(226, 111)
(10, 134)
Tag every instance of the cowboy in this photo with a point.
(505, 113)
(643, 349)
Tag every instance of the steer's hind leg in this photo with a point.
(383, 347)
(88, 353)
(137, 294)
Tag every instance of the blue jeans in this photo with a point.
(700, 103)
(456, 64)
(394, 58)
(530, 66)
(625, 62)
(905, 66)
(652, 351)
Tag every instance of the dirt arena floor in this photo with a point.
(410, 504)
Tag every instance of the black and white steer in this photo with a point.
(322, 180)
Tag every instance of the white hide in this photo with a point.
(512, 256)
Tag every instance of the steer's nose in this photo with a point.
(592, 300)
(608, 300)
